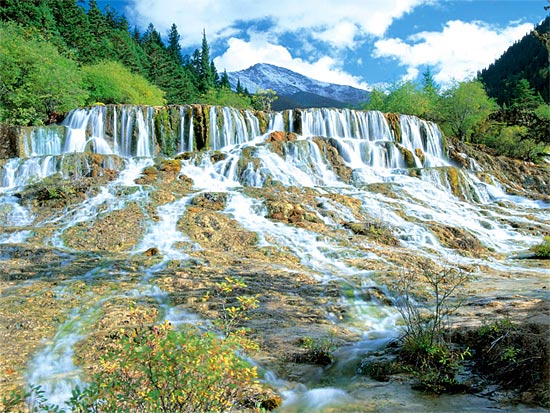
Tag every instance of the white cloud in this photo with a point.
(242, 54)
(324, 30)
(336, 22)
(341, 35)
(455, 53)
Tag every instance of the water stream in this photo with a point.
(367, 147)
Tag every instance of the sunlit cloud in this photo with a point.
(242, 54)
(457, 52)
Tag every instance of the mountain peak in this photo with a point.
(289, 84)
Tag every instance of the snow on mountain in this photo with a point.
(288, 83)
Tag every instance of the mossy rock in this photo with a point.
(395, 125)
(458, 239)
(408, 156)
(420, 155)
(216, 231)
(170, 165)
(119, 230)
(214, 201)
(285, 211)
(376, 231)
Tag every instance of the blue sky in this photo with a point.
(362, 43)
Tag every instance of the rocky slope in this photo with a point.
(322, 238)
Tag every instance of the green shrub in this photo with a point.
(161, 370)
(318, 351)
(542, 250)
(225, 97)
(112, 82)
(36, 82)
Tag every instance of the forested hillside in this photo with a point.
(526, 59)
(56, 55)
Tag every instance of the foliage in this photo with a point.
(263, 98)
(542, 250)
(233, 310)
(464, 107)
(513, 141)
(514, 355)
(161, 370)
(525, 97)
(408, 97)
(543, 112)
(43, 44)
(526, 59)
(405, 97)
(318, 350)
(36, 81)
(425, 350)
(225, 97)
(111, 82)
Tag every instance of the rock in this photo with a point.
(288, 212)
(152, 252)
(457, 238)
(215, 201)
(376, 231)
(279, 136)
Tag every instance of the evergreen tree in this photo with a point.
(525, 97)
(224, 80)
(239, 89)
(174, 47)
(74, 27)
(429, 86)
(98, 23)
(215, 75)
(206, 77)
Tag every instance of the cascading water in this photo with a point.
(298, 197)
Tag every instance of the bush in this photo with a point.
(425, 351)
(514, 355)
(512, 141)
(542, 250)
(111, 82)
(156, 369)
(225, 97)
(318, 351)
(161, 370)
(36, 82)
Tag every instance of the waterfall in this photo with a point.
(228, 126)
(297, 208)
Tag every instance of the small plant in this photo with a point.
(425, 351)
(318, 351)
(152, 368)
(16, 402)
(233, 311)
(542, 250)
(515, 356)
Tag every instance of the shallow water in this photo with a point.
(325, 252)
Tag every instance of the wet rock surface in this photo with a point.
(113, 267)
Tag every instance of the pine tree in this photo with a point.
(174, 47)
(525, 97)
(206, 77)
(239, 89)
(224, 80)
(429, 86)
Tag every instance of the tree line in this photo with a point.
(467, 112)
(56, 55)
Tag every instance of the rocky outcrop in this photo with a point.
(518, 177)
(280, 136)
(8, 141)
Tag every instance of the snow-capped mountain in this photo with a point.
(294, 89)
